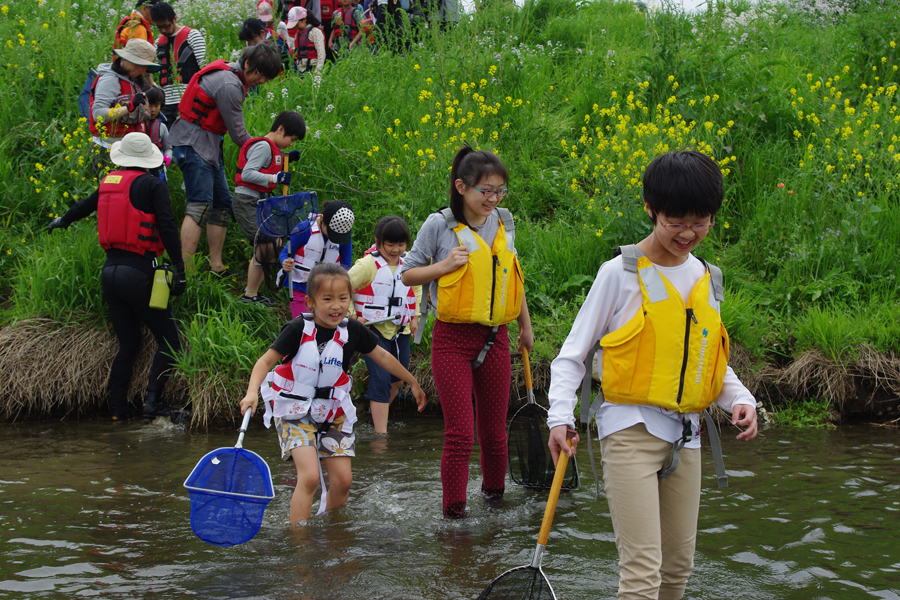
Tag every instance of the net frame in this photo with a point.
(277, 216)
(521, 583)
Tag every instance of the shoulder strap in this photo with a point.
(718, 282)
(509, 226)
(630, 256)
(452, 223)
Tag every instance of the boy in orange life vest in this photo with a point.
(260, 171)
(135, 26)
(322, 238)
(663, 358)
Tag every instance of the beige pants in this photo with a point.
(655, 520)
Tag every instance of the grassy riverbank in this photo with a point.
(799, 108)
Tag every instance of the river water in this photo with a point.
(92, 510)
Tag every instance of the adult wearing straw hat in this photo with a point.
(117, 104)
(135, 224)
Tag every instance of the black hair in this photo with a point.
(292, 122)
(162, 11)
(141, 3)
(681, 183)
(391, 229)
(251, 29)
(263, 58)
(324, 271)
(471, 166)
(155, 96)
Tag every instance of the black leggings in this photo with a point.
(127, 292)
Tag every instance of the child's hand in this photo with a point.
(361, 319)
(744, 415)
(250, 402)
(526, 338)
(558, 437)
(413, 325)
(457, 258)
(288, 265)
(419, 395)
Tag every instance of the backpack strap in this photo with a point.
(630, 255)
(510, 226)
(589, 409)
(716, 284)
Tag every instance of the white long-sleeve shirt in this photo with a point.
(615, 297)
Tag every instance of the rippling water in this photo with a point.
(89, 510)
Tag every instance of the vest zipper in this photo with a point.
(687, 343)
(493, 284)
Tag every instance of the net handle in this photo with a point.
(555, 488)
(284, 188)
(244, 424)
(529, 385)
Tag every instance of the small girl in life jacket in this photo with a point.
(379, 293)
(158, 131)
(322, 238)
(308, 393)
(467, 254)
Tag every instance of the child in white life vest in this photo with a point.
(308, 393)
(323, 238)
(663, 359)
(380, 293)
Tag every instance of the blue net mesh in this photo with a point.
(278, 216)
(229, 490)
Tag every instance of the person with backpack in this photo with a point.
(117, 102)
(347, 27)
(135, 26)
(212, 105)
(181, 52)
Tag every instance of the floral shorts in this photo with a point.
(299, 433)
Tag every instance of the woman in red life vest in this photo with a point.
(135, 224)
(117, 103)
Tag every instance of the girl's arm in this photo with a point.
(422, 275)
(386, 361)
(262, 367)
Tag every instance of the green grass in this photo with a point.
(799, 109)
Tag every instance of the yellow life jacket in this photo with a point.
(489, 288)
(671, 354)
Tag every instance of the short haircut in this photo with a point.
(155, 96)
(391, 229)
(323, 271)
(161, 12)
(264, 58)
(292, 122)
(681, 183)
(471, 166)
(251, 29)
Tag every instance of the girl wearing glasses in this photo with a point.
(466, 254)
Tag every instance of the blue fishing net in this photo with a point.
(229, 490)
(277, 216)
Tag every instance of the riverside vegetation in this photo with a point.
(796, 101)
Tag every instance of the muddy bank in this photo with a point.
(59, 370)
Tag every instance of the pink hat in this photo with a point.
(264, 10)
(295, 15)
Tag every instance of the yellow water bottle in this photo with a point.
(159, 295)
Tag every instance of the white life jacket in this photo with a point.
(315, 251)
(387, 295)
(311, 384)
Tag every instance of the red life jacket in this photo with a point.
(182, 58)
(328, 8)
(119, 224)
(115, 129)
(280, 41)
(305, 47)
(155, 132)
(198, 107)
(276, 165)
(348, 20)
(118, 42)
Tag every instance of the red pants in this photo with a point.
(454, 347)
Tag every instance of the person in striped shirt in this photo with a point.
(181, 51)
